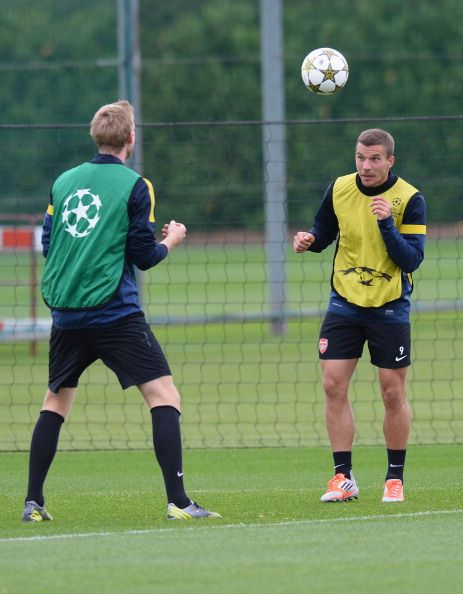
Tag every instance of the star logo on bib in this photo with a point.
(81, 212)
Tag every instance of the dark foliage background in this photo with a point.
(201, 63)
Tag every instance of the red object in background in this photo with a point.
(17, 237)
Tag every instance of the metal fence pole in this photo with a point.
(274, 155)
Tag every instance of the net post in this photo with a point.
(274, 155)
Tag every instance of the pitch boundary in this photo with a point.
(218, 526)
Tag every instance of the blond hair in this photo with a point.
(112, 124)
(376, 136)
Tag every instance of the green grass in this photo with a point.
(241, 385)
(109, 534)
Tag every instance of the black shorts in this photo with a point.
(128, 347)
(343, 338)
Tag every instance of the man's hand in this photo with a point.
(380, 207)
(173, 233)
(302, 241)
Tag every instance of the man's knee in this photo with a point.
(161, 392)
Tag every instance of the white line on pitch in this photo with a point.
(230, 526)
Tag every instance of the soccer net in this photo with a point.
(245, 381)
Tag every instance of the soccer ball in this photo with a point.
(324, 71)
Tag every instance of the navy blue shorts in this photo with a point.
(128, 347)
(342, 337)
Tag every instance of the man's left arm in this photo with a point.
(143, 249)
(405, 245)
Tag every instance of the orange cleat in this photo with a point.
(393, 491)
(340, 488)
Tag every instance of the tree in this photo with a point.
(201, 63)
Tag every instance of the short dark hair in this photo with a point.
(377, 136)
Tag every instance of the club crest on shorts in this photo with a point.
(323, 345)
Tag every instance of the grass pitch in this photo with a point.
(241, 384)
(110, 534)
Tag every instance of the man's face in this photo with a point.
(372, 164)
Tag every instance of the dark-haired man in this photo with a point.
(379, 222)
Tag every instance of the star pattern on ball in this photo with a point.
(313, 88)
(329, 73)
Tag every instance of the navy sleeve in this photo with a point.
(406, 250)
(143, 249)
(46, 229)
(325, 226)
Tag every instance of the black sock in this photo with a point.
(395, 464)
(167, 443)
(44, 443)
(343, 463)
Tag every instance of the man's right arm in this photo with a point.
(46, 228)
(325, 228)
